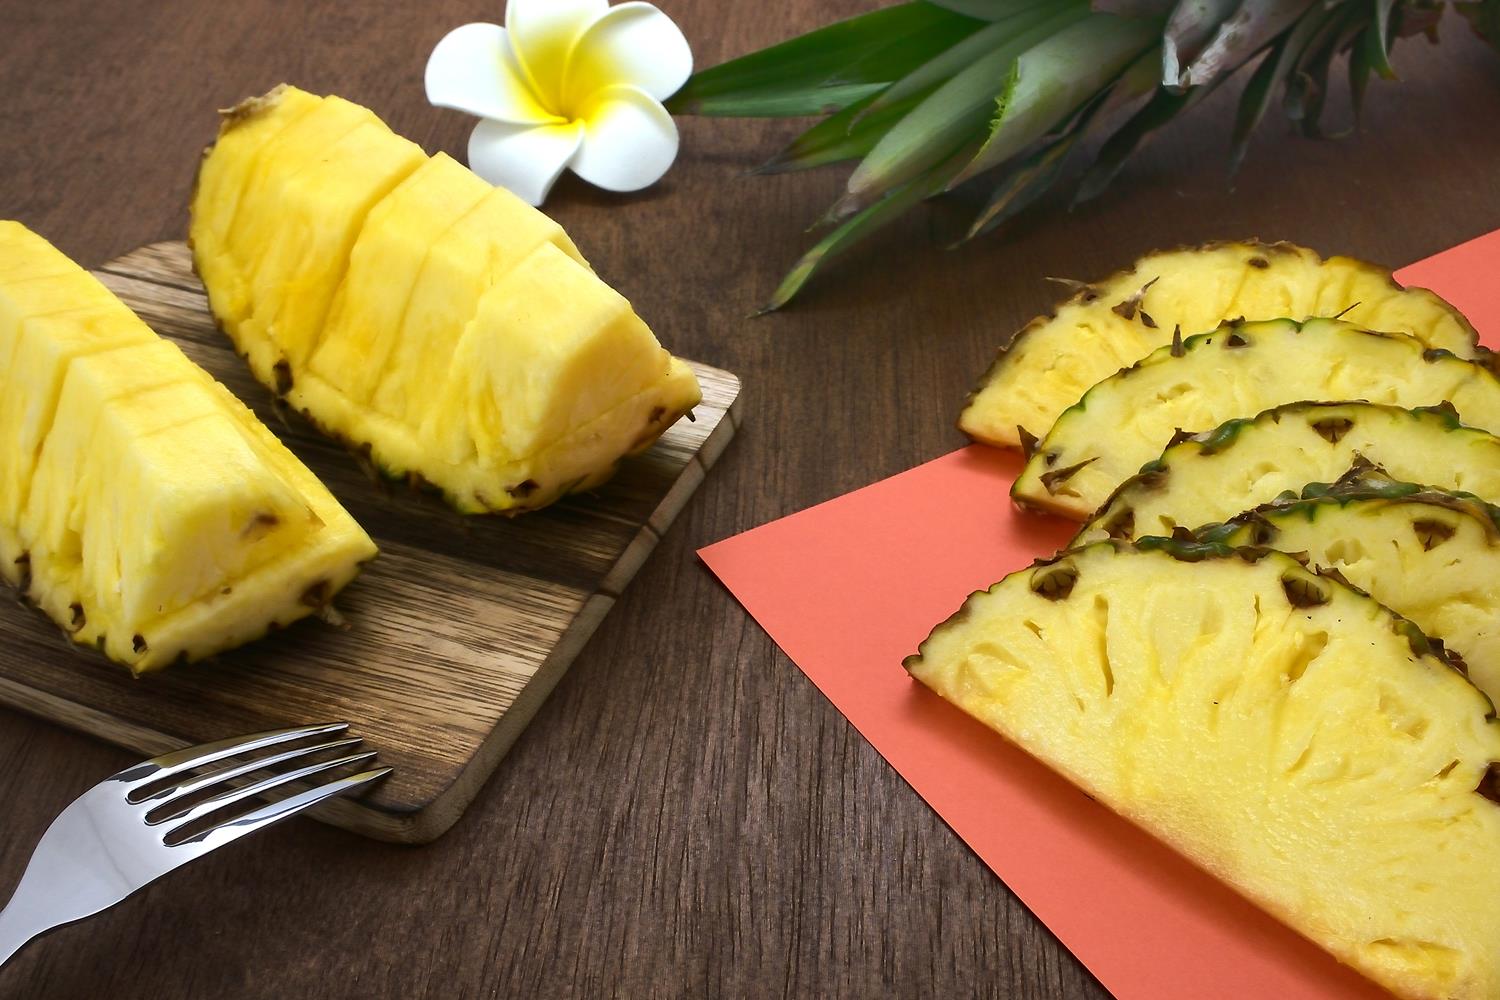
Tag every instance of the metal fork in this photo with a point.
(133, 828)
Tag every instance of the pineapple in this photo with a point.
(438, 325)
(142, 506)
(1280, 729)
(1112, 324)
(1247, 462)
(1429, 555)
(1236, 371)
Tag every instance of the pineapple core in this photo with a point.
(142, 507)
(407, 308)
(1280, 729)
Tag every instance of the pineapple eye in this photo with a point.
(1121, 524)
(1332, 429)
(1431, 533)
(1054, 583)
(1304, 591)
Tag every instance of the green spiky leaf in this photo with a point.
(826, 69)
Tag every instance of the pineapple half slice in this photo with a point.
(1238, 370)
(1114, 323)
(1283, 731)
(440, 326)
(1250, 461)
(142, 506)
(1429, 555)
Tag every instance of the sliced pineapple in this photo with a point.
(441, 326)
(1247, 462)
(142, 506)
(1282, 730)
(1112, 324)
(1432, 556)
(1237, 371)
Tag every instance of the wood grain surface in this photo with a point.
(455, 635)
(685, 816)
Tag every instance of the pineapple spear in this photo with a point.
(1009, 98)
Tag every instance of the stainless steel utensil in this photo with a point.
(133, 828)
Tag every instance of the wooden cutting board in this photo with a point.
(456, 633)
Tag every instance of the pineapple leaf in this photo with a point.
(1252, 27)
(825, 69)
(1273, 71)
(1025, 184)
(1056, 78)
(943, 66)
(1190, 28)
(1361, 68)
(865, 222)
(1134, 8)
(1377, 40)
(952, 114)
(1162, 108)
(847, 135)
(988, 10)
(1484, 17)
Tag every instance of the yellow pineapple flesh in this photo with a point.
(1112, 324)
(441, 326)
(142, 506)
(1280, 729)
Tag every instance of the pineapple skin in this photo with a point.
(441, 328)
(1281, 730)
(1240, 369)
(1250, 461)
(1111, 324)
(1429, 555)
(147, 511)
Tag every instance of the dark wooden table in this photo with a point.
(687, 816)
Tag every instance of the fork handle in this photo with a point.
(16, 929)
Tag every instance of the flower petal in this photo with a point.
(629, 140)
(542, 33)
(473, 69)
(634, 43)
(527, 159)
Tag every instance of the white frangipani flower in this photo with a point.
(565, 84)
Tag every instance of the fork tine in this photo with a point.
(288, 807)
(224, 774)
(181, 760)
(240, 793)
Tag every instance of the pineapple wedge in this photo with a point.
(1282, 730)
(441, 327)
(1240, 369)
(1247, 462)
(142, 506)
(1114, 323)
(1429, 555)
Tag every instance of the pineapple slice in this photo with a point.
(1247, 462)
(1429, 555)
(440, 326)
(247, 127)
(142, 506)
(1238, 370)
(1283, 731)
(1112, 324)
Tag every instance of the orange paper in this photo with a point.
(851, 587)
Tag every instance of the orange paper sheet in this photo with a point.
(850, 587)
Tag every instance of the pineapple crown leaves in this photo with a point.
(1003, 101)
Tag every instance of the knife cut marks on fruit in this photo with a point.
(142, 506)
(441, 327)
